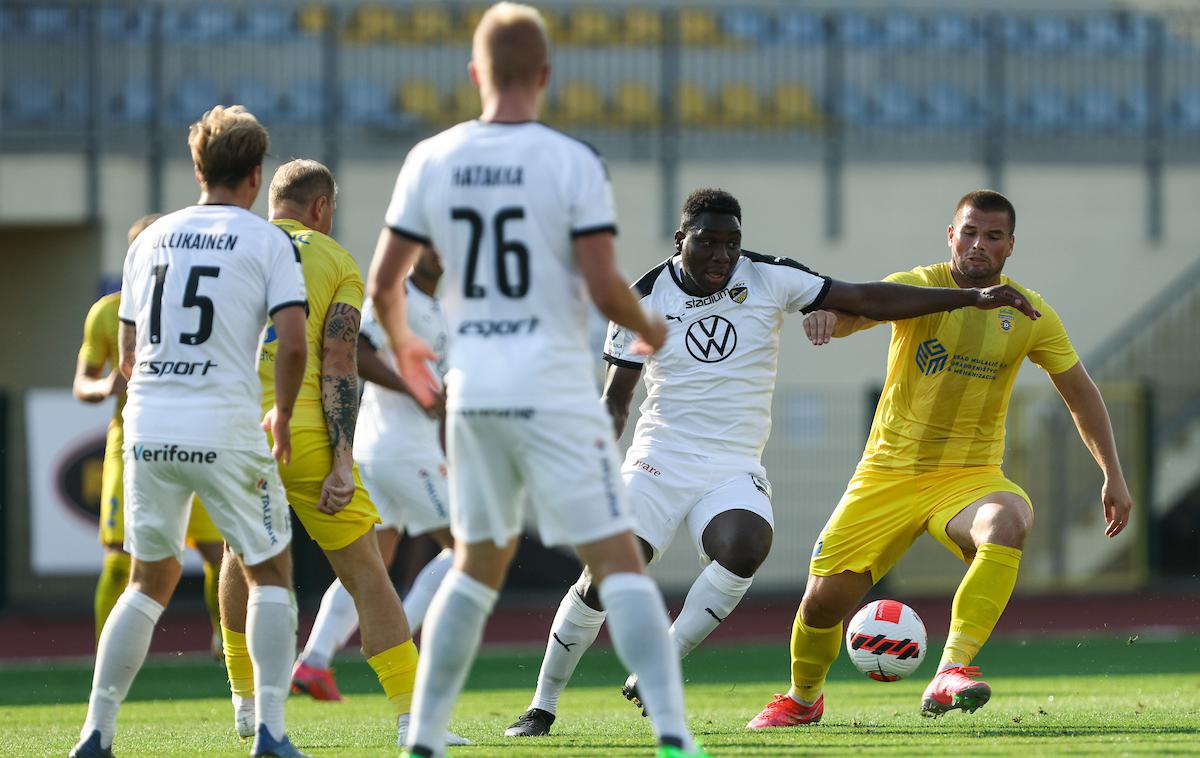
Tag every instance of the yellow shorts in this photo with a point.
(200, 527)
(881, 514)
(302, 479)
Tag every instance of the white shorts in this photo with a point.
(411, 493)
(240, 490)
(565, 462)
(668, 488)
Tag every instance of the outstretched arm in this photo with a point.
(339, 399)
(619, 385)
(888, 301)
(1087, 407)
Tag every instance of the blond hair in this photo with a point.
(511, 45)
(302, 181)
(227, 144)
(140, 225)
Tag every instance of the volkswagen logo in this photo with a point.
(711, 339)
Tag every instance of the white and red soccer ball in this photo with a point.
(886, 640)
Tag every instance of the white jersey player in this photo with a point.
(523, 219)
(695, 460)
(198, 287)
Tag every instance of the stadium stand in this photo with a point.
(634, 104)
(738, 104)
(640, 26)
(421, 99)
(578, 102)
(794, 106)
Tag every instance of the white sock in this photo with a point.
(416, 602)
(456, 617)
(120, 654)
(713, 596)
(574, 630)
(637, 622)
(336, 621)
(271, 639)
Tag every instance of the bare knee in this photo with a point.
(829, 599)
(743, 550)
(585, 588)
(1002, 523)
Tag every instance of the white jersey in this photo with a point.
(199, 285)
(502, 203)
(709, 388)
(391, 425)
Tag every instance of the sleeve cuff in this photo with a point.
(622, 363)
(288, 304)
(408, 234)
(587, 230)
(124, 320)
(820, 298)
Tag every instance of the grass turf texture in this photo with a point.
(1080, 697)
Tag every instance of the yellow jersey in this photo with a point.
(100, 342)
(950, 376)
(331, 275)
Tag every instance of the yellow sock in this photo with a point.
(237, 663)
(813, 652)
(396, 668)
(980, 600)
(114, 576)
(212, 576)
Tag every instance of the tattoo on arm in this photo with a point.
(339, 382)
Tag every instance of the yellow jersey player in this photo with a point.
(932, 464)
(322, 483)
(93, 385)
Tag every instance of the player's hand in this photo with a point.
(819, 325)
(654, 336)
(279, 425)
(117, 383)
(337, 490)
(1117, 505)
(1005, 294)
(413, 357)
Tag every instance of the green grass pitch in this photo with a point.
(1087, 697)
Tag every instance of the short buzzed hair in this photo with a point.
(988, 201)
(140, 225)
(708, 200)
(227, 144)
(302, 181)
(511, 45)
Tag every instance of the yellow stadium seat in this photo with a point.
(591, 26)
(699, 27)
(430, 23)
(312, 19)
(464, 102)
(579, 102)
(641, 27)
(635, 104)
(421, 98)
(691, 103)
(739, 104)
(373, 24)
(794, 106)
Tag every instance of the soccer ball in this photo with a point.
(886, 640)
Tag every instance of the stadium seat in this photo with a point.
(641, 26)
(1050, 33)
(367, 103)
(579, 102)
(192, 98)
(33, 102)
(1043, 109)
(738, 104)
(900, 29)
(133, 102)
(1184, 112)
(746, 25)
(126, 24)
(950, 31)
(429, 24)
(259, 97)
(421, 99)
(635, 104)
(372, 24)
(312, 19)
(800, 28)
(898, 107)
(591, 26)
(699, 27)
(1099, 109)
(691, 105)
(303, 102)
(200, 24)
(794, 106)
(268, 23)
(949, 107)
(854, 108)
(464, 102)
(1101, 32)
(50, 22)
(856, 28)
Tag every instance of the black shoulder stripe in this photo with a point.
(620, 363)
(645, 285)
(292, 242)
(820, 298)
(419, 238)
(774, 260)
(585, 231)
(289, 304)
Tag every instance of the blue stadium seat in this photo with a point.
(192, 98)
(1099, 109)
(50, 23)
(856, 28)
(33, 102)
(900, 29)
(200, 24)
(304, 101)
(1043, 109)
(368, 103)
(1050, 33)
(898, 107)
(950, 107)
(950, 31)
(854, 108)
(800, 28)
(267, 23)
(133, 102)
(259, 97)
(126, 24)
(1101, 32)
(1184, 113)
(746, 25)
